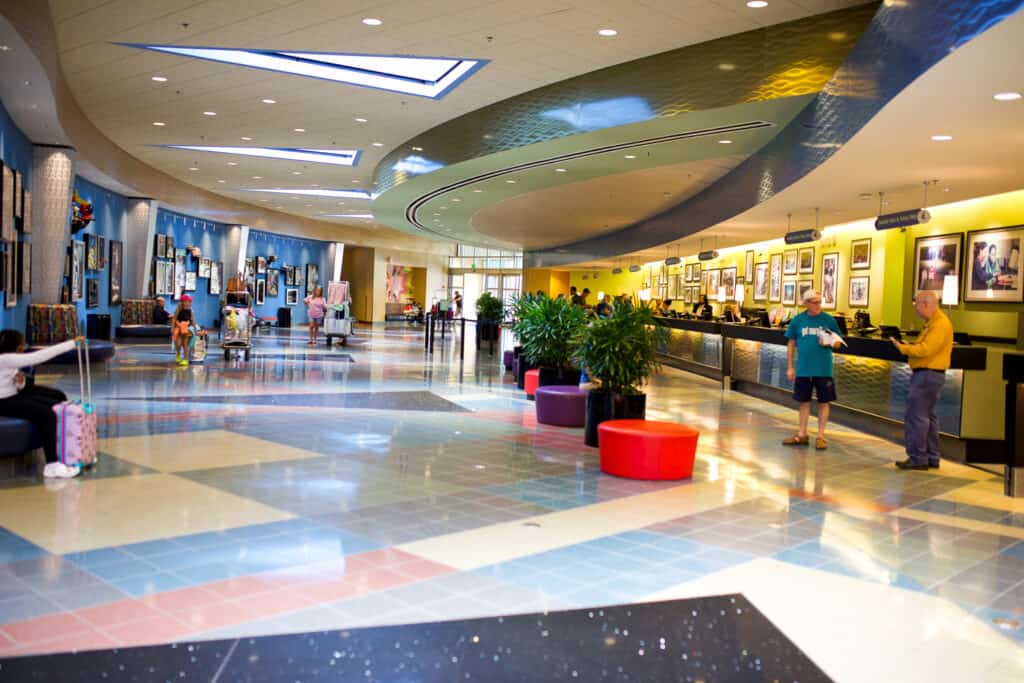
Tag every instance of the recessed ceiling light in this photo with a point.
(942, 138)
(866, 195)
(247, 138)
(232, 163)
(257, 177)
(221, 181)
(510, 182)
(945, 189)
(370, 21)
(160, 79)
(356, 181)
(560, 170)
(5, 48)
(607, 32)
(837, 36)
(193, 168)
(159, 123)
(269, 101)
(630, 156)
(299, 130)
(757, 4)
(377, 144)
(335, 157)
(477, 190)
(209, 113)
(726, 66)
(349, 215)
(417, 149)
(725, 142)
(296, 172)
(1006, 96)
(315, 185)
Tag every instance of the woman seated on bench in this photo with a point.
(21, 398)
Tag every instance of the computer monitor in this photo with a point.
(862, 319)
(762, 318)
(841, 321)
(962, 338)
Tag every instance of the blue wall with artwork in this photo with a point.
(290, 251)
(16, 153)
(110, 221)
(212, 240)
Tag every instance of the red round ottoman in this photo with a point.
(645, 449)
(530, 383)
(561, 405)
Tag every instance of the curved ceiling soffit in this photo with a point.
(33, 22)
(780, 61)
(902, 42)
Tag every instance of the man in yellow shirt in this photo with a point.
(929, 360)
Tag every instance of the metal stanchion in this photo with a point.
(426, 332)
(433, 332)
(491, 336)
(444, 324)
(462, 339)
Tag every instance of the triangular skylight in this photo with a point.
(429, 77)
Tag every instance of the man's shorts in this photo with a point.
(824, 387)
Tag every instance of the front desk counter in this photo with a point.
(872, 378)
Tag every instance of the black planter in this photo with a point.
(604, 405)
(523, 367)
(558, 377)
(488, 330)
(516, 351)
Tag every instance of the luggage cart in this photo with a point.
(236, 326)
(337, 320)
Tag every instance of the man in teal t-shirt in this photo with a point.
(813, 373)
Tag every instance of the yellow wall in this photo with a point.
(357, 269)
(551, 282)
(419, 286)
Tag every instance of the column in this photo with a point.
(53, 178)
(138, 248)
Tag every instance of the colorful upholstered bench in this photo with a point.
(561, 406)
(532, 379)
(645, 449)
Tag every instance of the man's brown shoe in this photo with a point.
(820, 444)
(797, 440)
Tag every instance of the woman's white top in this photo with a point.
(11, 362)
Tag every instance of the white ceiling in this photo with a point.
(530, 43)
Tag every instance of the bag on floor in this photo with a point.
(76, 420)
(198, 351)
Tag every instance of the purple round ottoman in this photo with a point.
(507, 359)
(561, 406)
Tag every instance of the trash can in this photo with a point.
(284, 317)
(97, 326)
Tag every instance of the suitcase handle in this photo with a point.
(81, 348)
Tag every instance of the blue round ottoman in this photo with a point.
(561, 405)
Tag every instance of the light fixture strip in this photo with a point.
(339, 194)
(346, 157)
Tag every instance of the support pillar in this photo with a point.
(53, 178)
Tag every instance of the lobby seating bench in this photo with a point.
(646, 449)
(561, 406)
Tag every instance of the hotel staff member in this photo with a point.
(929, 360)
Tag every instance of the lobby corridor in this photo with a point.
(311, 490)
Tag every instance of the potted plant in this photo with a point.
(549, 330)
(619, 353)
(521, 363)
(489, 313)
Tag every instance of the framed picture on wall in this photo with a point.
(860, 254)
(261, 265)
(789, 262)
(161, 246)
(19, 202)
(190, 281)
(91, 262)
(92, 294)
(859, 291)
(703, 286)
(7, 203)
(696, 272)
(291, 297)
(179, 273)
(936, 257)
(77, 270)
(788, 293)
(169, 249)
(714, 279)
(729, 282)
(10, 274)
(24, 268)
(300, 276)
(26, 213)
(101, 253)
(829, 280)
(312, 276)
(806, 260)
(801, 287)
(289, 276)
(216, 275)
(688, 270)
(775, 278)
(748, 267)
(761, 282)
(116, 261)
(261, 291)
(272, 277)
(204, 267)
(993, 272)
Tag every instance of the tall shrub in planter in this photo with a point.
(549, 330)
(489, 313)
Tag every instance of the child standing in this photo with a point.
(182, 336)
(315, 308)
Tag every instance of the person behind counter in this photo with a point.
(702, 309)
(603, 308)
(732, 313)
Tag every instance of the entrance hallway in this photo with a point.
(324, 489)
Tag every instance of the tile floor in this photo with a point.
(324, 489)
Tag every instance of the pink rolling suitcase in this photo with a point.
(76, 420)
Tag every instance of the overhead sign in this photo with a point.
(902, 219)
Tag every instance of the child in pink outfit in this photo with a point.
(316, 306)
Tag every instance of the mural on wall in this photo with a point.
(398, 283)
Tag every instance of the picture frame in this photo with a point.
(190, 281)
(77, 270)
(761, 282)
(696, 272)
(789, 293)
(728, 279)
(273, 275)
(24, 268)
(116, 272)
(312, 277)
(261, 291)
(169, 251)
(300, 276)
(179, 273)
(801, 287)
(859, 291)
(26, 213)
(160, 250)
(689, 272)
(860, 254)
(204, 268)
(289, 276)
(92, 296)
(829, 281)
(748, 267)
(10, 274)
(101, 253)
(935, 257)
(7, 231)
(91, 258)
(19, 202)
(775, 278)
(993, 265)
(714, 279)
(702, 288)
(216, 278)
(806, 261)
(291, 297)
(790, 262)
(261, 265)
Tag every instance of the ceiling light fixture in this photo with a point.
(726, 66)
(511, 182)
(221, 181)
(348, 215)
(757, 4)
(630, 156)
(1006, 96)
(335, 157)
(607, 32)
(560, 170)
(942, 138)
(232, 163)
(192, 168)
(377, 144)
(159, 79)
(360, 119)
(246, 138)
(209, 113)
(159, 123)
(296, 172)
(268, 101)
(417, 149)
(725, 142)
(305, 192)
(370, 21)
(477, 190)
(299, 130)
(257, 177)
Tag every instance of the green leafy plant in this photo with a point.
(488, 307)
(548, 330)
(619, 351)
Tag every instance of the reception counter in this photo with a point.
(871, 377)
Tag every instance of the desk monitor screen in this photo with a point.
(863, 319)
(962, 338)
(763, 319)
(891, 332)
(841, 321)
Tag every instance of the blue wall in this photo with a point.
(110, 221)
(291, 251)
(212, 240)
(16, 152)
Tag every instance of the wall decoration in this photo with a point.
(312, 277)
(729, 282)
(859, 290)
(81, 213)
(801, 287)
(829, 280)
(761, 282)
(216, 277)
(261, 265)
(714, 278)
(249, 269)
(25, 268)
(116, 261)
(11, 274)
(169, 251)
(789, 262)
(775, 278)
(7, 204)
(993, 273)
(688, 272)
(204, 267)
(19, 201)
(396, 283)
(672, 291)
(179, 273)
(190, 281)
(91, 259)
(703, 286)
(77, 270)
(789, 293)
(291, 297)
(300, 276)
(92, 296)
(748, 269)
(273, 274)
(261, 291)
(161, 246)
(289, 276)
(934, 258)
(807, 260)
(26, 214)
(696, 272)
(101, 253)
(860, 254)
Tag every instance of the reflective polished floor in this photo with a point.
(314, 489)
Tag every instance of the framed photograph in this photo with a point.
(807, 260)
(26, 214)
(77, 270)
(312, 277)
(993, 273)
(761, 282)
(934, 258)
(161, 246)
(25, 268)
(101, 253)
(261, 291)
(179, 273)
(190, 281)
(696, 273)
(789, 293)
(92, 296)
(19, 201)
(216, 276)
(261, 265)
(748, 268)
(291, 297)
(728, 280)
(789, 262)
(116, 268)
(169, 251)
(91, 258)
(300, 276)
(801, 287)
(829, 280)
(859, 291)
(7, 204)
(273, 274)
(860, 255)
(289, 276)
(689, 272)
(204, 268)
(248, 269)
(11, 274)
(714, 279)
(702, 288)
(775, 278)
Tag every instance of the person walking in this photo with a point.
(315, 309)
(809, 340)
(929, 360)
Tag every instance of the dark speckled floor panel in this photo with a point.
(712, 639)
(380, 400)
